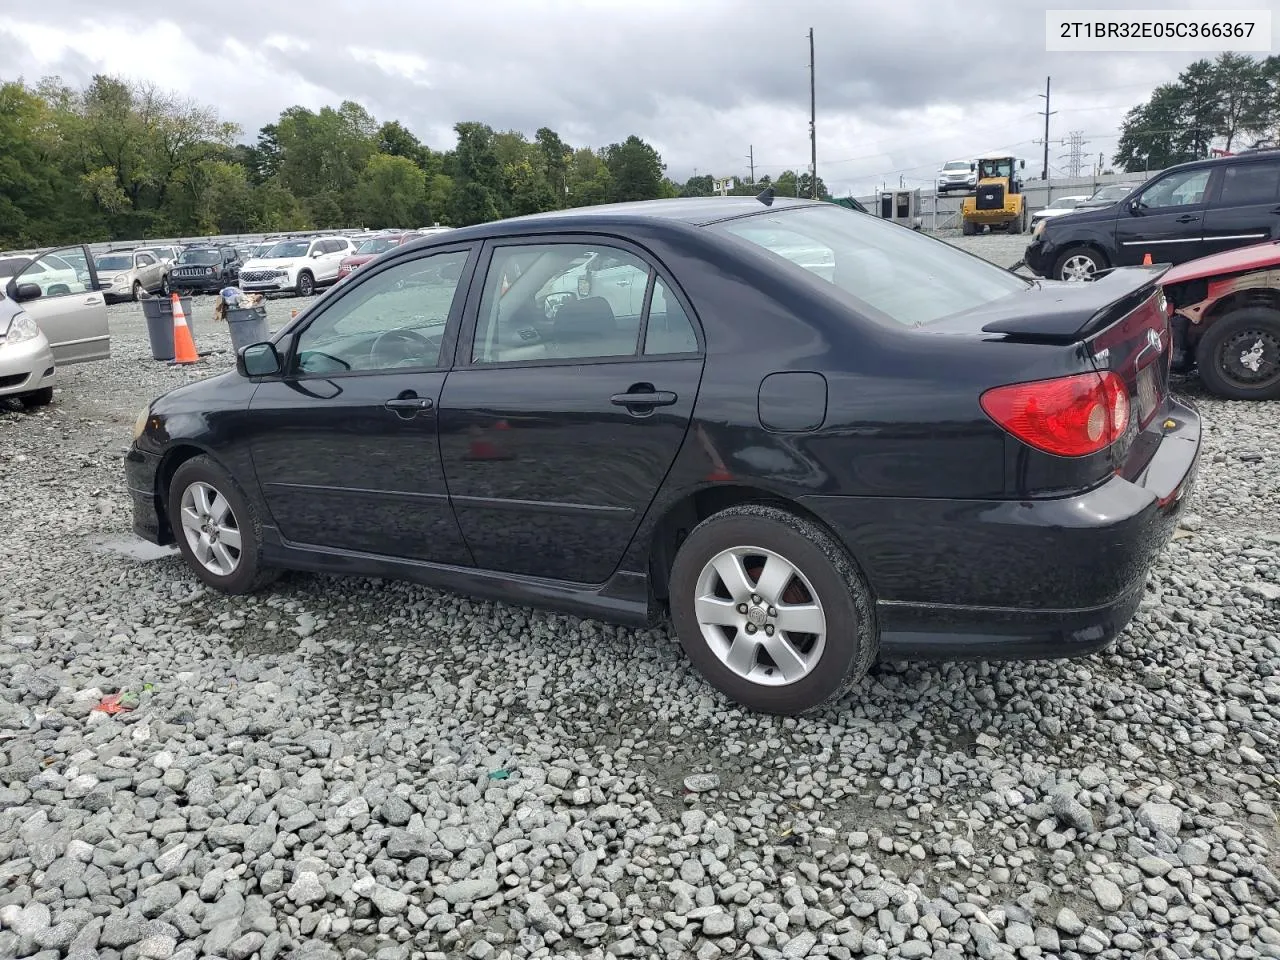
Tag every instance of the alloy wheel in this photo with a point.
(211, 529)
(760, 615)
(1079, 267)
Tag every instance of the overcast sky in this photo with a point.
(901, 87)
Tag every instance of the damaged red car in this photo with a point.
(1226, 321)
(370, 249)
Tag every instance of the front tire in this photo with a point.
(306, 285)
(165, 289)
(37, 398)
(771, 610)
(1078, 264)
(217, 530)
(1239, 355)
(136, 292)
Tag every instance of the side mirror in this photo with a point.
(317, 254)
(973, 167)
(258, 360)
(1022, 164)
(21, 292)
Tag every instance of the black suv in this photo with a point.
(1185, 212)
(205, 270)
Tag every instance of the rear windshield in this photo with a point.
(203, 258)
(910, 278)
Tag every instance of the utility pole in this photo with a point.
(813, 124)
(1047, 114)
(751, 159)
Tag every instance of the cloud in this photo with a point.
(900, 88)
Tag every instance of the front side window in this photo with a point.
(55, 274)
(907, 278)
(145, 260)
(560, 301)
(1176, 190)
(394, 319)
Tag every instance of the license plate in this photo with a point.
(1146, 393)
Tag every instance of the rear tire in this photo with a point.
(37, 398)
(217, 530)
(1079, 264)
(781, 569)
(968, 229)
(1233, 346)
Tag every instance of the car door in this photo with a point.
(557, 431)
(345, 444)
(1166, 220)
(333, 253)
(1245, 207)
(72, 312)
(148, 270)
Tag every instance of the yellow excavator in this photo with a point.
(997, 200)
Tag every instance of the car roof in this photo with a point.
(695, 211)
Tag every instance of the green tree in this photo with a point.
(478, 182)
(635, 169)
(556, 155)
(589, 179)
(804, 184)
(29, 182)
(701, 186)
(391, 192)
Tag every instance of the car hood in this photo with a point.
(1241, 260)
(276, 263)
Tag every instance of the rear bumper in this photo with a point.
(1024, 580)
(140, 469)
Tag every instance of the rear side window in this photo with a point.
(907, 278)
(1246, 183)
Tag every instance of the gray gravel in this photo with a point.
(355, 768)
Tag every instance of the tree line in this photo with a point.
(1233, 100)
(120, 159)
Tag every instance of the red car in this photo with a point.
(370, 249)
(1226, 321)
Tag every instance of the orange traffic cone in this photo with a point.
(1146, 259)
(184, 347)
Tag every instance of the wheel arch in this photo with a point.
(680, 517)
(173, 458)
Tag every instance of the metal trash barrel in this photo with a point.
(248, 325)
(158, 312)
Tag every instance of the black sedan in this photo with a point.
(809, 436)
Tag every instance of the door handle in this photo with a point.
(651, 398)
(1186, 218)
(409, 403)
(624, 283)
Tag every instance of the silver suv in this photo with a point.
(957, 175)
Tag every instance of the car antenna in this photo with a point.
(765, 196)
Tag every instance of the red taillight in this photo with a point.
(1068, 416)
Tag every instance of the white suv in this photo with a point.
(296, 266)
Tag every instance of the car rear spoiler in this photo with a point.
(1080, 308)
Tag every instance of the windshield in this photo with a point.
(204, 258)
(378, 244)
(909, 278)
(956, 165)
(288, 249)
(115, 261)
(1116, 192)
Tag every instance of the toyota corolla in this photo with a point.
(806, 435)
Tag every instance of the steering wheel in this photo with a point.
(411, 339)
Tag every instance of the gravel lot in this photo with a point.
(341, 768)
